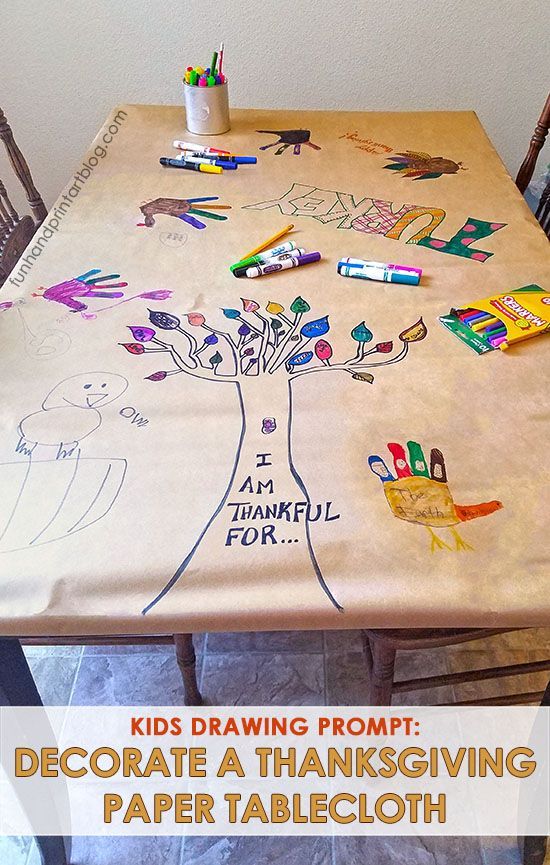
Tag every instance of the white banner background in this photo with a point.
(474, 805)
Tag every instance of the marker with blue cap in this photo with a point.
(357, 268)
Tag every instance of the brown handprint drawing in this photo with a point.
(289, 138)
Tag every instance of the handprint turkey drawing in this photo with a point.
(418, 494)
(90, 286)
(295, 138)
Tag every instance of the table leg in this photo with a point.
(17, 688)
(185, 656)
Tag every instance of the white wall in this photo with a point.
(65, 63)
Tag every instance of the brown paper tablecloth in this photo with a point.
(184, 468)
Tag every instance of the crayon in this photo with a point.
(198, 148)
(264, 269)
(213, 64)
(375, 270)
(479, 323)
(292, 253)
(474, 316)
(486, 322)
(496, 326)
(202, 81)
(193, 77)
(500, 332)
(199, 70)
(211, 80)
(177, 163)
(465, 313)
(263, 256)
(269, 241)
(497, 340)
(220, 65)
(202, 160)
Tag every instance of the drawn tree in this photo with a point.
(261, 354)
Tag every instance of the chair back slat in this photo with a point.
(16, 231)
(5, 200)
(22, 171)
(525, 172)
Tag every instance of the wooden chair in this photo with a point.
(16, 231)
(525, 173)
(381, 647)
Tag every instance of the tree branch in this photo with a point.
(201, 372)
(345, 367)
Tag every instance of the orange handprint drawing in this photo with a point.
(419, 494)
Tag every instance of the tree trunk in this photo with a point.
(265, 502)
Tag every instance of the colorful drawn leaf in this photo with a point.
(195, 319)
(163, 320)
(247, 352)
(318, 327)
(156, 376)
(363, 376)
(132, 347)
(323, 349)
(162, 294)
(300, 359)
(299, 306)
(249, 305)
(274, 308)
(211, 339)
(216, 359)
(361, 333)
(142, 334)
(231, 313)
(414, 333)
(276, 324)
(384, 347)
(244, 330)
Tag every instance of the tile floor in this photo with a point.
(277, 668)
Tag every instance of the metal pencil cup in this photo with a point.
(207, 109)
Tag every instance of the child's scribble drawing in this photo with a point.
(294, 138)
(182, 208)
(69, 413)
(422, 166)
(53, 491)
(87, 285)
(375, 216)
(419, 494)
(262, 352)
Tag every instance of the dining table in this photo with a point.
(306, 449)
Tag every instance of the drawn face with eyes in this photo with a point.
(86, 390)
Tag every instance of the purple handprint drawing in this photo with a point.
(90, 285)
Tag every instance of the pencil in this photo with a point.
(269, 242)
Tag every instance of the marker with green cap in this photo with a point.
(264, 255)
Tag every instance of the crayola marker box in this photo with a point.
(501, 320)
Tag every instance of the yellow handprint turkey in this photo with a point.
(419, 494)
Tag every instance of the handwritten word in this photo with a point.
(131, 412)
(367, 143)
(374, 216)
